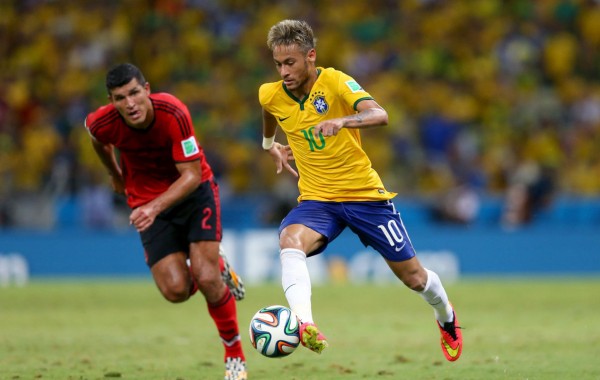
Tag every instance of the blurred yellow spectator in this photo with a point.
(517, 79)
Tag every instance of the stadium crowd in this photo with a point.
(484, 97)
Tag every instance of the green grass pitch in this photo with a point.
(544, 328)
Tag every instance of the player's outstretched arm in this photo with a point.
(370, 114)
(190, 176)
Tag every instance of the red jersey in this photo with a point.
(148, 156)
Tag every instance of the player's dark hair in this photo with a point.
(122, 74)
(290, 32)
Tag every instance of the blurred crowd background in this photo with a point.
(488, 99)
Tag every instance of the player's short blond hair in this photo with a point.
(291, 32)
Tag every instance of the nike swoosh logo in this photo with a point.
(451, 351)
(284, 118)
(398, 249)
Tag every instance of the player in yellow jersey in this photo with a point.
(321, 111)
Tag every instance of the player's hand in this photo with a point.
(142, 217)
(118, 184)
(281, 154)
(328, 127)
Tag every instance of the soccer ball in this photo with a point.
(274, 331)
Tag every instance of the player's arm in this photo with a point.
(269, 129)
(107, 156)
(370, 114)
(281, 154)
(189, 179)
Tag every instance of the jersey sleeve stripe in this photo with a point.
(179, 115)
(355, 105)
(181, 120)
(103, 121)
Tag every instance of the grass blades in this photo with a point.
(541, 328)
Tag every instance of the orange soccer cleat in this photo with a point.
(231, 278)
(451, 341)
(312, 338)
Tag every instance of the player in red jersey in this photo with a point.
(173, 196)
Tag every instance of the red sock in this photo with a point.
(224, 313)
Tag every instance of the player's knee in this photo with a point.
(177, 297)
(176, 293)
(210, 286)
(289, 241)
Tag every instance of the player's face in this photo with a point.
(133, 103)
(294, 66)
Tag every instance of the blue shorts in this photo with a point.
(376, 223)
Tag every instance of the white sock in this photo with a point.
(296, 282)
(435, 295)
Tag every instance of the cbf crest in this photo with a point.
(318, 101)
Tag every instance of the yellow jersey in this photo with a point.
(334, 168)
